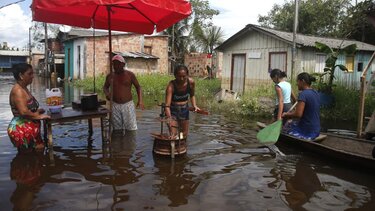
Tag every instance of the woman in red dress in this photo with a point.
(24, 128)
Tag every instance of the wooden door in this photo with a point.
(238, 72)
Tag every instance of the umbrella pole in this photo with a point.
(111, 72)
(94, 52)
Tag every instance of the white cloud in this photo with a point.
(14, 26)
(236, 14)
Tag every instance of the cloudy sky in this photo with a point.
(15, 20)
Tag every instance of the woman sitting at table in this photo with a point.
(24, 128)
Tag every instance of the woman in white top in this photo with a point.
(284, 93)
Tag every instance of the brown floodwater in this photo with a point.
(224, 169)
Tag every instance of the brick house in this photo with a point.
(197, 64)
(143, 53)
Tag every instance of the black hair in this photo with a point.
(180, 67)
(277, 73)
(20, 68)
(307, 78)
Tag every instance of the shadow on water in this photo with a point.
(224, 169)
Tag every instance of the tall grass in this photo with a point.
(154, 86)
(88, 83)
(257, 101)
(346, 104)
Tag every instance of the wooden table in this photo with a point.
(69, 115)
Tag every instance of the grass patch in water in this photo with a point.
(258, 101)
(154, 86)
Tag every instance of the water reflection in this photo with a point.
(26, 171)
(307, 185)
(123, 164)
(223, 170)
(301, 186)
(177, 182)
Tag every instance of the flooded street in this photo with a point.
(223, 170)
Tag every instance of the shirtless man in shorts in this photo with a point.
(123, 109)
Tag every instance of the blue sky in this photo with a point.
(15, 21)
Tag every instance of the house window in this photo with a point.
(360, 66)
(350, 63)
(320, 63)
(278, 60)
(148, 49)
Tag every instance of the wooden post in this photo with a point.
(362, 97)
(110, 70)
(361, 107)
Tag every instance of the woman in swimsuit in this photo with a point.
(24, 128)
(178, 93)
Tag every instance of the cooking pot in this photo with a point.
(89, 101)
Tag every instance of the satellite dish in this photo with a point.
(65, 28)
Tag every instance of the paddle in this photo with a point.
(271, 133)
(199, 111)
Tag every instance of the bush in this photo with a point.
(251, 103)
(347, 104)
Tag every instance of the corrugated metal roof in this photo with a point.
(80, 32)
(13, 53)
(301, 40)
(132, 54)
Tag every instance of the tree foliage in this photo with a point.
(178, 40)
(316, 17)
(202, 13)
(356, 25)
(330, 63)
(183, 35)
(37, 31)
(209, 38)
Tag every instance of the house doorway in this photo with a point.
(237, 82)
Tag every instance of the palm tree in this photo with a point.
(208, 39)
(178, 41)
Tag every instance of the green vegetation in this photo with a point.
(256, 102)
(346, 105)
(332, 18)
(88, 83)
(330, 64)
(153, 87)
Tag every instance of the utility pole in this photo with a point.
(30, 45)
(45, 50)
(294, 49)
(173, 53)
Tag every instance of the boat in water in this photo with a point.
(358, 153)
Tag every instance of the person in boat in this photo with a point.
(284, 93)
(177, 96)
(307, 110)
(123, 109)
(24, 128)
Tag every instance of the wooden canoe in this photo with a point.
(345, 150)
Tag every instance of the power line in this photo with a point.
(12, 3)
